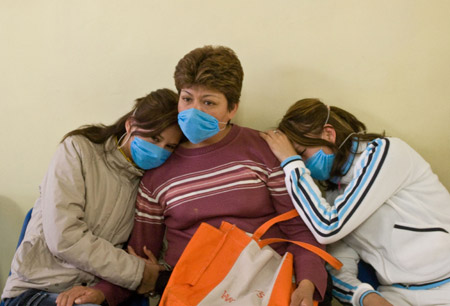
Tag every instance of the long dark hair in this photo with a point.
(152, 113)
(305, 120)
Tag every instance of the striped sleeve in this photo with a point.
(377, 175)
(346, 286)
(149, 226)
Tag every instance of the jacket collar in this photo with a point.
(117, 160)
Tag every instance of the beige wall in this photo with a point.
(68, 63)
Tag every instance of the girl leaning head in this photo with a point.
(311, 123)
(151, 115)
(147, 134)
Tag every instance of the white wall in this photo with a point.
(68, 63)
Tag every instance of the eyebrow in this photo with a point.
(206, 95)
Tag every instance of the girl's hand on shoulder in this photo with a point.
(303, 294)
(280, 145)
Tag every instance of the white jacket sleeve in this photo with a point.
(67, 235)
(346, 286)
(379, 172)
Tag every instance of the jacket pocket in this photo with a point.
(419, 248)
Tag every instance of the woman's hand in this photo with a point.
(303, 295)
(280, 145)
(80, 295)
(375, 300)
(151, 271)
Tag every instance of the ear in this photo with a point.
(329, 133)
(232, 113)
(128, 125)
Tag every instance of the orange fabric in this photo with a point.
(319, 252)
(208, 257)
(211, 254)
(283, 217)
(281, 292)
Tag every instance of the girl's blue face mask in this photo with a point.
(197, 126)
(320, 165)
(147, 155)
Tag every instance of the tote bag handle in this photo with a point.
(260, 231)
(287, 216)
(312, 248)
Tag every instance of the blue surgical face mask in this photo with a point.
(147, 155)
(348, 163)
(320, 165)
(198, 126)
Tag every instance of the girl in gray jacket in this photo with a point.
(85, 211)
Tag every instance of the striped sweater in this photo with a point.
(237, 180)
(391, 212)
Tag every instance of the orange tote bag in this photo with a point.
(227, 266)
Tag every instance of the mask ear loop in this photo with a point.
(349, 135)
(128, 138)
(226, 124)
(120, 139)
(328, 115)
(342, 143)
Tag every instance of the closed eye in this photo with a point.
(171, 147)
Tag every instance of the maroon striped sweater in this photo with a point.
(237, 180)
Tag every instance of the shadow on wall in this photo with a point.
(11, 219)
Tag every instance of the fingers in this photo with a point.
(271, 136)
(271, 133)
(149, 277)
(92, 296)
(131, 250)
(264, 135)
(303, 294)
(153, 259)
(150, 255)
(162, 268)
(80, 295)
(84, 299)
(68, 297)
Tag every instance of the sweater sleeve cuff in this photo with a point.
(289, 159)
(114, 294)
(318, 278)
(360, 293)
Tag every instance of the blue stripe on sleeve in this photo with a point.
(342, 290)
(331, 221)
(289, 159)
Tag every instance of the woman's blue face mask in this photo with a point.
(147, 155)
(198, 126)
(320, 165)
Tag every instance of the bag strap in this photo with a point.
(283, 217)
(312, 248)
(287, 216)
